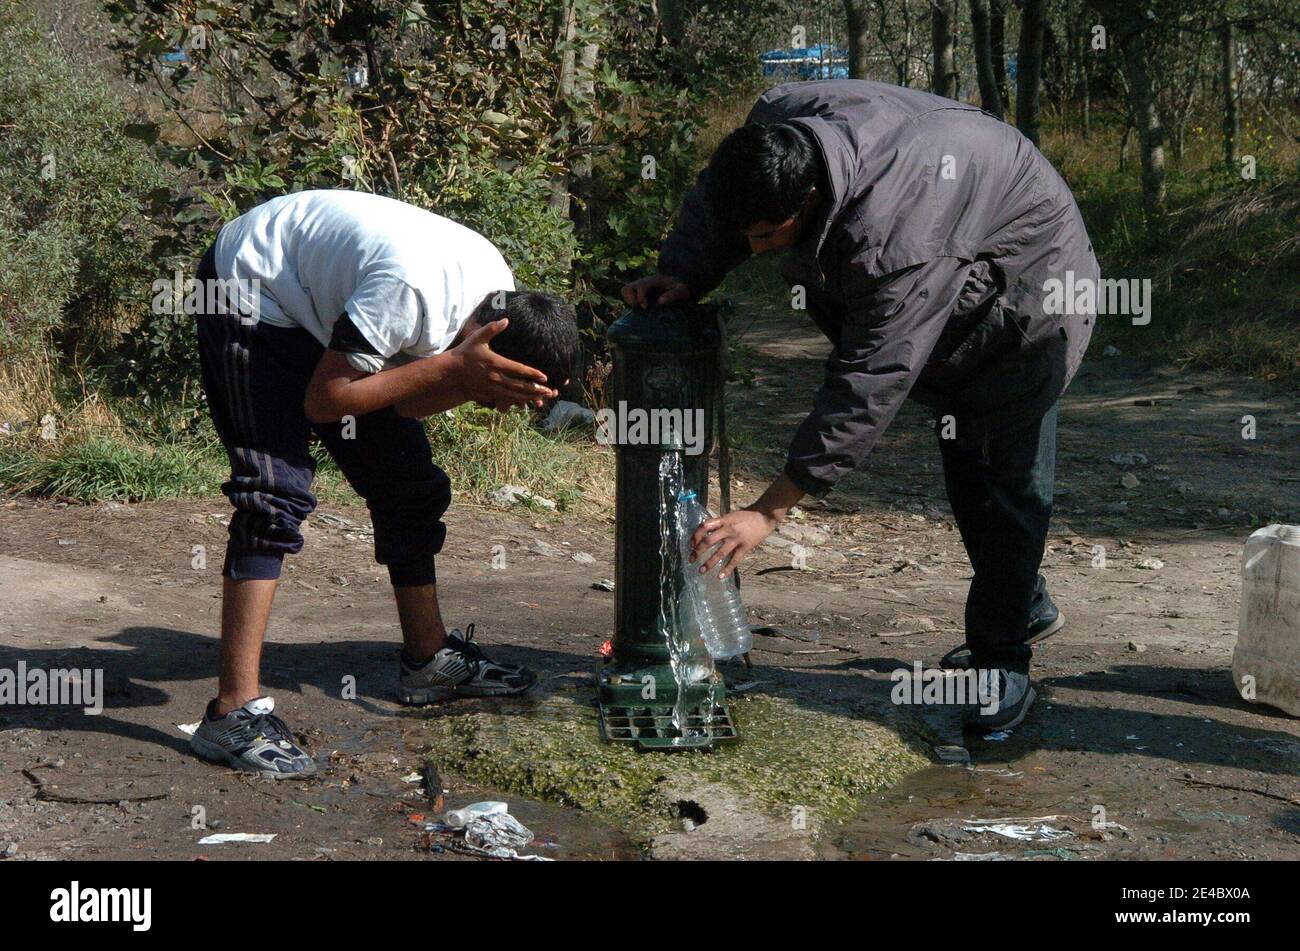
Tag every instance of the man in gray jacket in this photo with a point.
(924, 236)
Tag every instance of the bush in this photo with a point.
(462, 111)
(508, 202)
(73, 232)
(37, 280)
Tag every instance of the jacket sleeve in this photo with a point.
(889, 333)
(693, 250)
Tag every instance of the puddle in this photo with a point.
(559, 833)
(943, 792)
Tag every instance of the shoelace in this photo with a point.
(270, 727)
(469, 649)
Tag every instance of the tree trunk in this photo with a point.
(855, 16)
(998, 47)
(906, 79)
(574, 92)
(1029, 69)
(565, 33)
(1053, 70)
(585, 84)
(1151, 136)
(1081, 53)
(1231, 119)
(944, 80)
(990, 95)
(672, 20)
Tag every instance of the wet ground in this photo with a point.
(1139, 745)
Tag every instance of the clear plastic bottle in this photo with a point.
(720, 616)
(459, 818)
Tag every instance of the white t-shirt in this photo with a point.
(406, 277)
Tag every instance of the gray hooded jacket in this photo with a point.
(927, 266)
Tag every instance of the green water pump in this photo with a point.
(663, 398)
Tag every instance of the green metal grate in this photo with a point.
(651, 727)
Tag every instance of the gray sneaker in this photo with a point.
(1005, 697)
(1041, 626)
(253, 739)
(460, 669)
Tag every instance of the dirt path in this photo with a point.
(1139, 714)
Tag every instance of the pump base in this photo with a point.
(626, 716)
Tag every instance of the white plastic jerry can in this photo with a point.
(1266, 662)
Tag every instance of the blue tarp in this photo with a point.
(812, 62)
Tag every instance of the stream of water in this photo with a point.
(687, 656)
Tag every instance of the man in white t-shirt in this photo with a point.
(349, 317)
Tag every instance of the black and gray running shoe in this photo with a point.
(253, 739)
(460, 669)
(1040, 629)
(1005, 697)
(1045, 619)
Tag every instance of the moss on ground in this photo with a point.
(791, 755)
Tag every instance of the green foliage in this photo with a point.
(647, 110)
(636, 188)
(466, 110)
(157, 363)
(283, 106)
(37, 280)
(457, 113)
(74, 193)
(508, 202)
(1225, 292)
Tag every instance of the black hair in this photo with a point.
(762, 172)
(542, 334)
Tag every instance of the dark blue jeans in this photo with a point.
(255, 378)
(1000, 488)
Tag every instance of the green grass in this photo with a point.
(109, 468)
(1225, 266)
(156, 458)
(481, 449)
